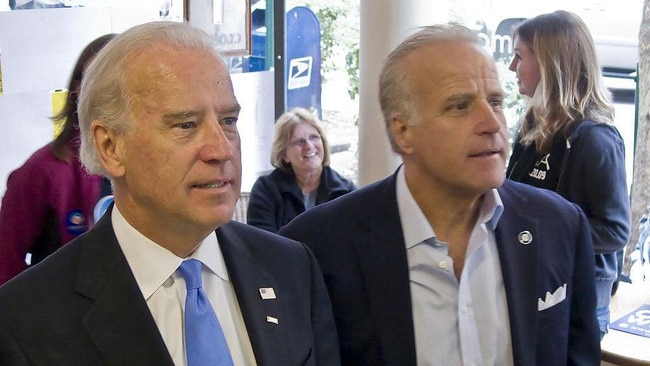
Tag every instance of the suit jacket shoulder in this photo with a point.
(282, 297)
(358, 242)
(81, 305)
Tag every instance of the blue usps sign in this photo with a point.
(303, 60)
(300, 72)
(636, 322)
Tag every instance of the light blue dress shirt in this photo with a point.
(456, 322)
(163, 287)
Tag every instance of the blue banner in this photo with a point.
(303, 60)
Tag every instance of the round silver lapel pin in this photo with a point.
(525, 237)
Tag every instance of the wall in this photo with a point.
(254, 91)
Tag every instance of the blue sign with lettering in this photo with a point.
(303, 60)
(636, 322)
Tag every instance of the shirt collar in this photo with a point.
(415, 226)
(491, 209)
(151, 264)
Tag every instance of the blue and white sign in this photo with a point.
(300, 72)
(636, 322)
(303, 60)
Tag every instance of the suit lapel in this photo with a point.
(118, 321)
(519, 267)
(382, 256)
(248, 277)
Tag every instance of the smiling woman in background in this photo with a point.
(302, 177)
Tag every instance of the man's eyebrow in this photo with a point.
(463, 97)
(235, 108)
(497, 94)
(178, 115)
(175, 116)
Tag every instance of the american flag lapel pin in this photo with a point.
(267, 293)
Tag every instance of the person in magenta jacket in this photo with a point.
(50, 198)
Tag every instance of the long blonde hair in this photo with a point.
(571, 88)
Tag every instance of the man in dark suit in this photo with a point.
(159, 117)
(445, 262)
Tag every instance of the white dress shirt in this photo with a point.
(155, 271)
(456, 322)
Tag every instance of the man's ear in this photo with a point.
(108, 147)
(402, 133)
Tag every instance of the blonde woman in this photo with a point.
(567, 142)
(302, 177)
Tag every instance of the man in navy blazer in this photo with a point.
(445, 262)
(159, 117)
(83, 306)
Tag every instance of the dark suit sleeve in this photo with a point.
(325, 336)
(262, 205)
(584, 345)
(10, 353)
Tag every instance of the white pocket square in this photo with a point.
(552, 299)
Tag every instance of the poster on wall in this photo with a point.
(227, 21)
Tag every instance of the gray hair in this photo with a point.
(395, 96)
(104, 89)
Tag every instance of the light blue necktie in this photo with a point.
(204, 340)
